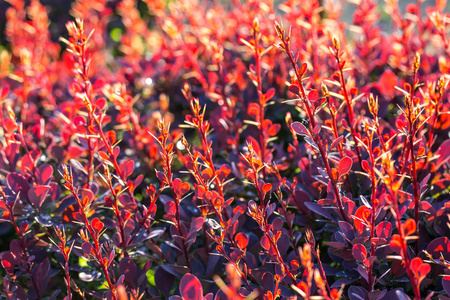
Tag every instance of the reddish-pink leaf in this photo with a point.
(269, 95)
(5, 91)
(420, 269)
(344, 166)
(313, 95)
(241, 240)
(253, 110)
(303, 69)
(191, 288)
(384, 230)
(336, 141)
(265, 243)
(180, 187)
(101, 102)
(388, 81)
(127, 168)
(361, 216)
(365, 166)
(97, 225)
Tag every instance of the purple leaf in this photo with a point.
(299, 128)
(18, 184)
(37, 194)
(318, 209)
(359, 252)
(293, 88)
(8, 262)
(128, 268)
(446, 284)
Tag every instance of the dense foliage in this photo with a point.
(195, 149)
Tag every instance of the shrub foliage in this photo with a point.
(196, 149)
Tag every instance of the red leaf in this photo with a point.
(365, 166)
(180, 187)
(207, 174)
(396, 243)
(313, 95)
(241, 240)
(97, 225)
(4, 92)
(336, 142)
(184, 188)
(361, 216)
(103, 155)
(303, 69)
(420, 269)
(253, 110)
(384, 230)
(409, 227)
(151, 190)
(223, 172)
(269, 95)
(191, 288)
(344, 166)
(265, 243)
(266, 188)
(101, 102)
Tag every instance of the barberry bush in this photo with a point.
(195, 149)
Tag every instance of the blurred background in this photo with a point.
(59, 15)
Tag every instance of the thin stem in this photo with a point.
(348, 102)
(312, 122)
(24, 251)
(123, 242)
(88, 225)
(412, 118)
(262, 139)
